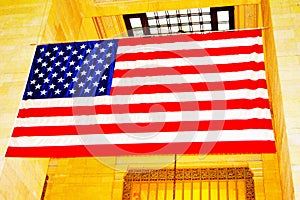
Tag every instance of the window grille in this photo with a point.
(180, 21)
(190, 183)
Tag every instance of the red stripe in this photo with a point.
(145, 108)
(144, 149)
(196, 69)
(189, 53)
(188, 87)
(144, 127)
(190, 37)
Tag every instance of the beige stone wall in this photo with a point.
(285, 17)
(89, 178)
(20, 31)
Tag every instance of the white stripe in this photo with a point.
(143, 138)
(250, 41)
(145, 117)
(189, 78)
(146, 98)
(207, 60)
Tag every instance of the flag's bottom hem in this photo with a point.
(201, 148)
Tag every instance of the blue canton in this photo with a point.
(79, 69)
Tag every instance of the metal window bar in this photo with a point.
(169, 21)
(179, 21)
(157, 23)
(201, 22)
(189, 14)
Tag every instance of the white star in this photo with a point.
(52, 58)
(54, 75)
(75, 79)
(94, 56)
(46, 80)
(66, 58)
(106, 66)
(61, 53)
(86, 62)
(98, 72)
(108, 55)
(92, 66)
(80, 84)
(42, 50)
(69, 47)
(39, 60)
(72, 63)
(83, 73)
(32, 82)
(74, 52)
(60, 80)
(51, 86)
(41, 75)
(43, 92)
(69, 74)
(87, 90)
(49, 69)
(102, 50)
(95, 84)
(36, 71)
(80, 57)
(47, 54)
(82, 46)
(66, 85)
(55, 48)
(90, 78)
(100, 60)
(110, 44)
(77, 68)
(63, 68)
(88, 51)
(38, 86)
(57, 91)
(72, 91)
(104, 77)
(96, 45)
(44, 64)
(29, 93)
(102, 89)
(57, 64)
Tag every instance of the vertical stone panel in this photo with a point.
(285, 18)
(20, 31)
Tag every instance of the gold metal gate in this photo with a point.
(189, 184)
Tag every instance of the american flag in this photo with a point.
(176, 94)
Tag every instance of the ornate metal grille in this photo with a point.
(191, 183)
